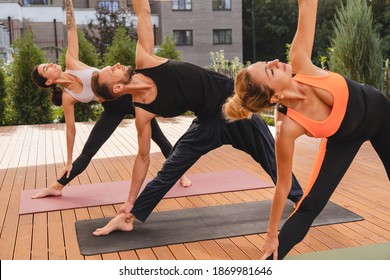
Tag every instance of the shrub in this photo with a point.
(224, 66)
(168, 49)
(3, 96)
(356, 47)
(122, 49)
(31, 104)
(101, 31)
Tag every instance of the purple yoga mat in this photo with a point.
(117, 192)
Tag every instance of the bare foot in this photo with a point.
(117, 223)
(185, 182)
(53, 190)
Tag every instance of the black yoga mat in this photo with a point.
(188, 225)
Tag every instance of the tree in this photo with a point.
(87, 54)
(273, 28)
(168, 49)
(356, 47)
(324, 28)
(122, 49)
(101, 32)
(381, 12)
(31, 104)
(3, 96)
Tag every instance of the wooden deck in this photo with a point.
(31, 156)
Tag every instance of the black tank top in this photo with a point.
(183, 86)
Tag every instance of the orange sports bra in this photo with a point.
(336, 85)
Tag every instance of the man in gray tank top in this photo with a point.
(167, 88)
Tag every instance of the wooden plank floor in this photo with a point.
(32, 156)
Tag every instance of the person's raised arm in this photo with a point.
(142, 160)
(144, 26)
(72, 54)
(73, 41)
(302, 45)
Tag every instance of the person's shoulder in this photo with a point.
(287, 128)
(142, 115)
(67, 99)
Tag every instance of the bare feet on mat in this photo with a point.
(53, 190)
(185, 181)
(116, 223)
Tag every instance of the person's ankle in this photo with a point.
(131, 219)
(58, 186)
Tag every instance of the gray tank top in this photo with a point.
(86, 95)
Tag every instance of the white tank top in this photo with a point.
(86, 95)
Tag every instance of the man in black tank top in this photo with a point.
(167, 88)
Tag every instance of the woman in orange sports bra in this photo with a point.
(317, 103)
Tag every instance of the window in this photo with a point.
(222, 5)
(182, 5)
(34, 2)
(182, 37)
(111, 6)
(222, 36)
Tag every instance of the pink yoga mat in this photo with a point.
(117, 192)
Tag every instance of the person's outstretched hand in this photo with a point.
(66, 170)
(270, 247)
(126, 208)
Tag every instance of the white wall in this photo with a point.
(48, 14)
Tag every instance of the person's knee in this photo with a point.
(88, 153)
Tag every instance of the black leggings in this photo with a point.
(250, 135)
(114, 112)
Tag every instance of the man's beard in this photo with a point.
(128, 75)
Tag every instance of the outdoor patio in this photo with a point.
(32, 156)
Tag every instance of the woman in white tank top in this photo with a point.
(75, 81)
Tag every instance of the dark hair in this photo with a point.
(248, 98)
(55, 90)
(101, 90)
(38, 79)
(56, 95)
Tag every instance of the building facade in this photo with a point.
(46, 20)
(201, 26)
(197, 26)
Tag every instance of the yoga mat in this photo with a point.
(367, 252)
(188, 225)
(117, 192)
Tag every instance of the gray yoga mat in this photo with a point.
(188, 225)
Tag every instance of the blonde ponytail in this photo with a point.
(247, 99)
(234, 109)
